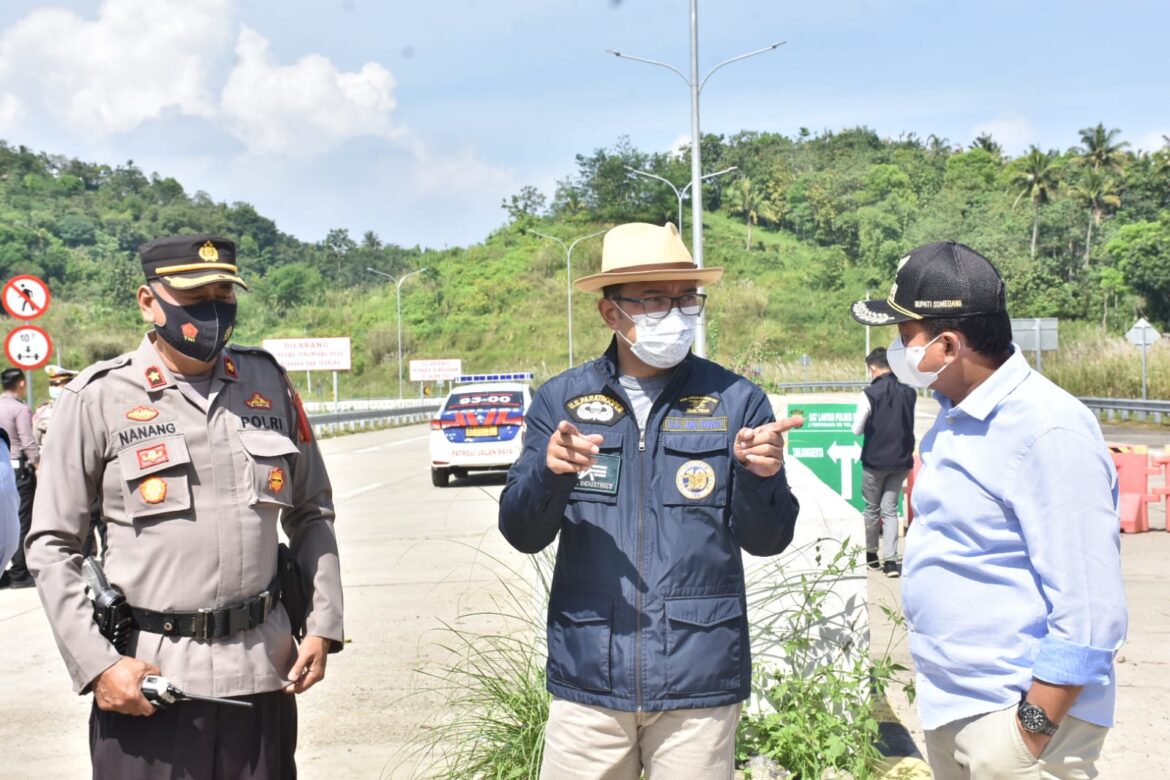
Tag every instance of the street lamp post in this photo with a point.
(680, 194)
(398, 308)
(696, 86)
(568, 276)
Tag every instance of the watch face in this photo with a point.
(1033, 718)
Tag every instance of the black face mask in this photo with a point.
(200, 330)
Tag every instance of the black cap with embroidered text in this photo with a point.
(946, 279)
(187, 262)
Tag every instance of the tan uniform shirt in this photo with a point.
(17, 419)
(191, 490)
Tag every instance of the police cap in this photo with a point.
(187, 262)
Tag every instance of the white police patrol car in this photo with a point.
(480, 426)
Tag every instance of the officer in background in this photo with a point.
(196, 451)
(58, 378)
(16, 421)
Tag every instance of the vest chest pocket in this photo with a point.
(155, 474)
(695, 469)
(270, 456)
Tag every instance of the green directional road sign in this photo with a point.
(827, 445)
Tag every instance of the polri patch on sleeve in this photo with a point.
(694, 424)
(701, 405)
(595, 408)
(602, 476)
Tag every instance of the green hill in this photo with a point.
(828, 217)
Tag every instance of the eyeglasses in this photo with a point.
(656, 307)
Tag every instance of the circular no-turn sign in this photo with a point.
(28, 347)
(26, 297)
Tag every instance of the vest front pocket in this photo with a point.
(579, 633)
(703, 644)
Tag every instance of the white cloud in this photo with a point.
(456, 172)
(307, 107)
(1152, 142)
(1011, 131)
(137, 59)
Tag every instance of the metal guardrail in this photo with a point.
(1125, 408)
(354, 420)
(1109, 409)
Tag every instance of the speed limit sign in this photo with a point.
(28, 347)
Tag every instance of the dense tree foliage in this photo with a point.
(803, 224)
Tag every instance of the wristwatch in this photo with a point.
(1034, 719)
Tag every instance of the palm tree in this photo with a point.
(1095, 191)
(985, 142)
(1100, 149)
(743, 197)
(1036, 176)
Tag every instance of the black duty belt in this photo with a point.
(208, 623)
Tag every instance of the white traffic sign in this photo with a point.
(26, 297)
(28, 347)
(435, 370)
(326, 354)
(1142, 334)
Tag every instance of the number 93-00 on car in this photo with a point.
(480, 425)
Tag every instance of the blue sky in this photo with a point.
(415, 119)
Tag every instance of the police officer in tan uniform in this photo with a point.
(196, 451)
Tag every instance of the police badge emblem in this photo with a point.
(695, 479)
(153, 490)
(276, 479)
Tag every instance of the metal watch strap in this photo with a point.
(1028, 713)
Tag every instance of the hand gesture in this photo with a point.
(570, 451)
(119, 688)
(761, 449)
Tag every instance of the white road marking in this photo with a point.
(387, 445)
(361, 491)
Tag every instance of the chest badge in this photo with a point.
(595, 408)
(154, 377)
(602, 476)
(703, 405)
(695, 479)
(276, 479)
(142, 414)
(152, 456)
(153, 490)
(258, 401)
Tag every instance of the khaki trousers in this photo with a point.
(583, 742)
(990, 747)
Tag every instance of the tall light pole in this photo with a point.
(398, 307)
(680, 194)
(568, 276)
(696, 86)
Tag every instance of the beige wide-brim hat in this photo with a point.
(640, 252)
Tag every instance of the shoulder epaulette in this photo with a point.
(246, 350)
(100, 368)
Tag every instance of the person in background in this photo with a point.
(1012, 586)
(17, 423)
(9, 506)
(885, 416)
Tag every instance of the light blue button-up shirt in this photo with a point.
(1012, 567)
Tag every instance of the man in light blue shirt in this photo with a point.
(1013, 591)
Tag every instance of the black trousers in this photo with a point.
(26, 487)
(193, 740)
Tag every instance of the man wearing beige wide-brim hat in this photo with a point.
(655, 467)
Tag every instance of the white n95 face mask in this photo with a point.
(905, 361)
(661, 343)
